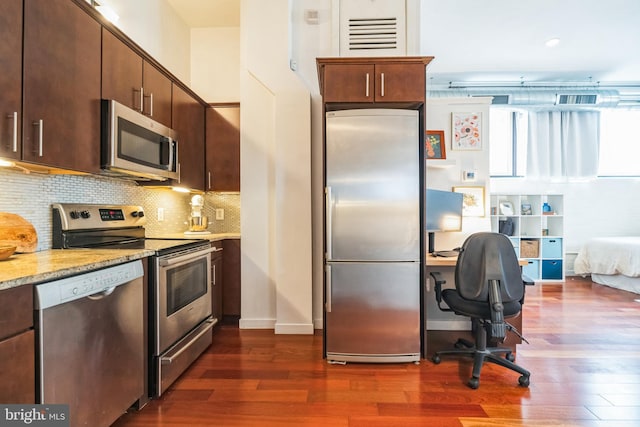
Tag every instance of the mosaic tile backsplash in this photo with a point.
(31, 196)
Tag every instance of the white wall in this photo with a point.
(275, 162)
(215, 63)
(445, 174)
(157, 28)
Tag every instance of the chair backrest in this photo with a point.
(484, 257)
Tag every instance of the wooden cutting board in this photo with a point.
(17, 231)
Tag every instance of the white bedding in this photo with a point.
(611, 261)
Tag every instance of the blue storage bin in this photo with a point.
(532, 269)
(551, 248)
(552, 269)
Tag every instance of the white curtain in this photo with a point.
(563, 144)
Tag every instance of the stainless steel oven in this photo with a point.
(181, 312)
(178, 296)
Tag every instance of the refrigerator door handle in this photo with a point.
(328, 219)
(327, 271)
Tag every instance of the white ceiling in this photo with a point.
(503, 40)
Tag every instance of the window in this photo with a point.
(508, 136)
(619, 143)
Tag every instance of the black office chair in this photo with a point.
(489, 288)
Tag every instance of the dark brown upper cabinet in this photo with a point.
(188, 122)
(11, 79)
(133, 81)
(61, 86)
(223, 147)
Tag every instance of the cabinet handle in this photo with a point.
(214, 274)
(209, 180)
(150, 96)
(366, 88)
(381, 84)
(178, 173)
(40, 125)
(14, 141)
(140, 109)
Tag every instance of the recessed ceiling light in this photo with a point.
(552, 42)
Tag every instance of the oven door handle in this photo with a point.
(167, 360)
(164, 262)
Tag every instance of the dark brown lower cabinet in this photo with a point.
(17, 346)
(231, 280)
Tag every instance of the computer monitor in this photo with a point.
(444, 213)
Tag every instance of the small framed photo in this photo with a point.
(466, 131)
(525, 209)
(434, 144)
(472, 200)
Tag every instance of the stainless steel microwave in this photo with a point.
(135, 146)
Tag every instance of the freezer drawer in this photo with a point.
(372, 312)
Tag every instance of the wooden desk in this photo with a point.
(439, 261)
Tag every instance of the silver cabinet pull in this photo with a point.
(209, 180)
(381, 84)
(14, 141)
(40, 125)
(150, 96)
(179, 173)
(366, 89)
(214, 273)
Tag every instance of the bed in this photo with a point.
(611, 261)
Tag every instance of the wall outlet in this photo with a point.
(219, 214)
(160, 214)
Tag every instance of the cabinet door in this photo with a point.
(157, 94)
(17, 376)
(216, 282)
(61, 121)
(121, 72)
(188, 121)
(223, 148)
(348, 83)
(10, 78)
(400, 83)
(231, 278)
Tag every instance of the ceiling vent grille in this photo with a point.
(372, 27)
(577, 99)
(373, 34)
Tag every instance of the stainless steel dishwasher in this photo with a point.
(91, 343)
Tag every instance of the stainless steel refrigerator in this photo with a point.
(372, 236)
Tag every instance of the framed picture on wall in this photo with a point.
(434, 144)
(472, 200)
(466, 131)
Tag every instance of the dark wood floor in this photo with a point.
(584, 355)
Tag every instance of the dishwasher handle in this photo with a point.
(102, 294)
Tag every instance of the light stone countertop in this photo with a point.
(213, 237)
(44, 266)
(53, 264)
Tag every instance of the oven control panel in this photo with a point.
(74, 216)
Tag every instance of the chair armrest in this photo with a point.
(439, 281)
(527, 280)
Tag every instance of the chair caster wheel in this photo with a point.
(510, 357)
(474, 383)
(436, 359)
(524, 381)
